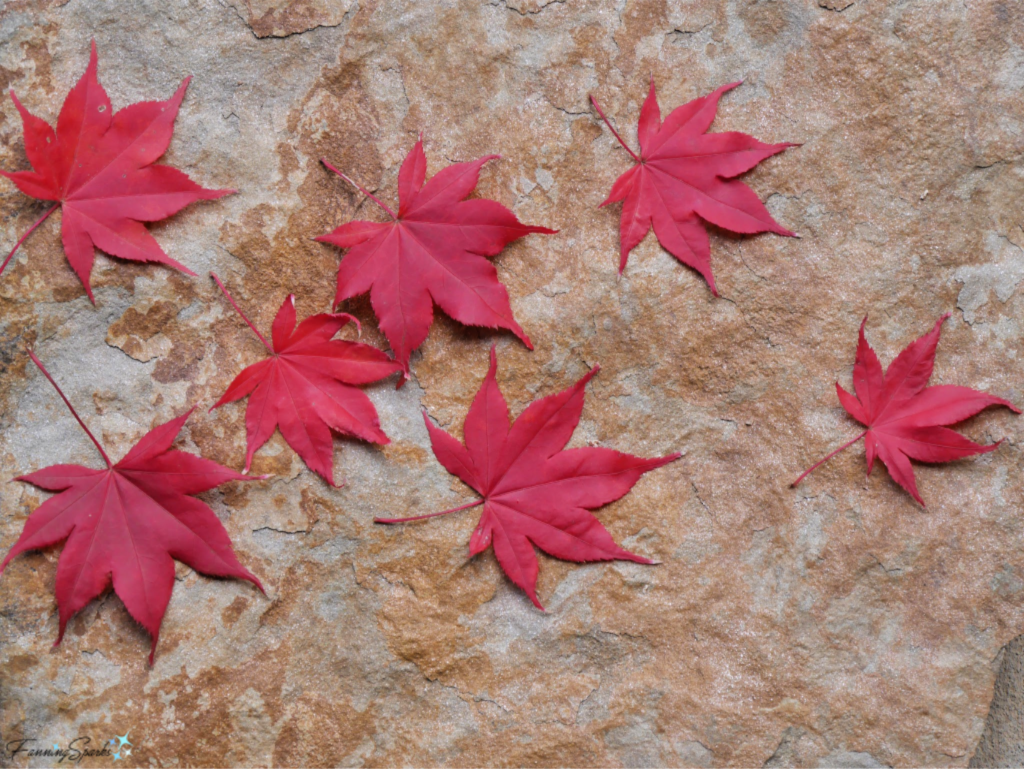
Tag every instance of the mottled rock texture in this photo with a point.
(1002, 742)
(838, 624)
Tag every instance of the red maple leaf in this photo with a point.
(684, 175)
(98, 167)
(904, 417)
(306, 387)
(431, 252)
(128, 523)
(535, 492)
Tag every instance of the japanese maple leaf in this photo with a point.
(98, 168)
(535, 492)
(128, 523)
(683, 176)
(307, 387)
(432, 251)
(905, 419)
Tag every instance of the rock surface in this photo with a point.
(838, 624)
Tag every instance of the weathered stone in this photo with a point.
(838, 624)
(1002, 742)
(282, 18)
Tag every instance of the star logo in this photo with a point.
(120, 741)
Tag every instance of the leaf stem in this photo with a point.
(23, 237)
(71, 408)
(826, 459)
(240, 313)
(607, 123)
(361, 188)
(428, 515)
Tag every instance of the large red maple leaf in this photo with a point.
(535, 492)
(307, 387)
(905, 419)
(98, 167)
(128, 523)
(432, 251)
(684, 175)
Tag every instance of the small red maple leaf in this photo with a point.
(98, 167)
(307, 387)
(904, 418)
(431, 252)
(684, 175)
(535, 491)
(128, 523)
